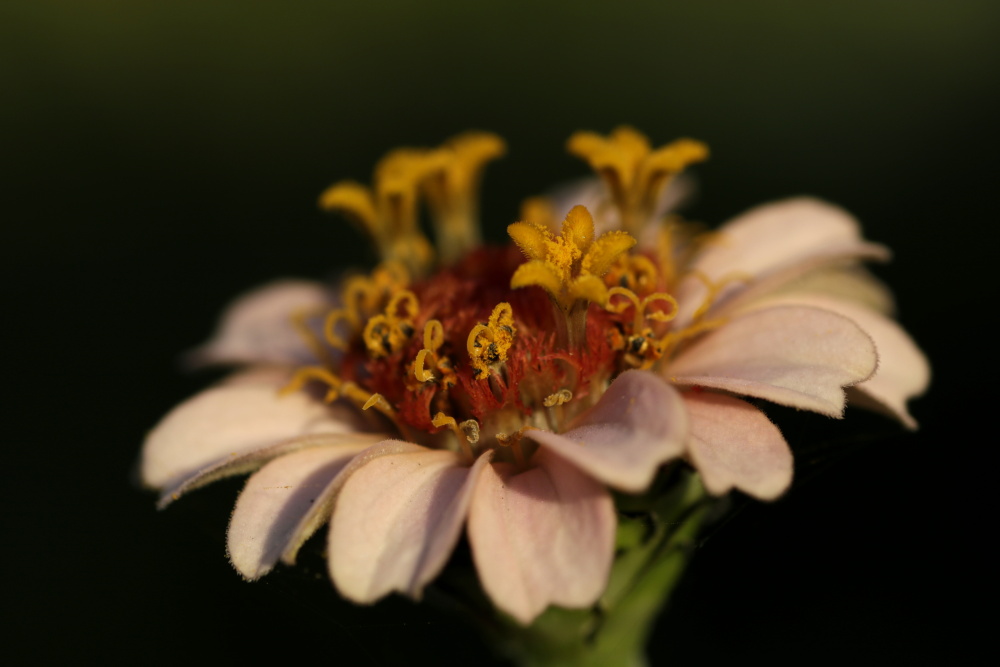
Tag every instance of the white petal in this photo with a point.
(772, 244)
(847, 283)
(257, 327)
(274, 500)
(903, 371)
(397, 520)
(637, 424)
(734, 445)
(238, 464)
(320, 511)
(233, 419)
(543, 536)
(796, 356)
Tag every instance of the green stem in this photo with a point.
(644, 574)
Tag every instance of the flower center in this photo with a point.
(495, 341)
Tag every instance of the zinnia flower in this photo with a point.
(506, 390)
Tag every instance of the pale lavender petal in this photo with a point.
(238, 464)
(233, 419)
(770, 245)
(397, 520)
(638, 423)
(796, 356)
(274, 500)
(257, 328)
(733, 444)
(542, 536)
(903, 371)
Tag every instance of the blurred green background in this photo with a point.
(160, 157)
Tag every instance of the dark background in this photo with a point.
(158, 158)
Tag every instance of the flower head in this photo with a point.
(505, 390)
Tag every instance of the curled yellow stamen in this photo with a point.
(387, 333)
(635, 272)
(466, 433)
(514, 442)
(329, 328)
(488, 343)
(428, 359)
(559, 398)
(307, 373)
(300, 320)
(669, 342)
(714, 288)
(419, 372)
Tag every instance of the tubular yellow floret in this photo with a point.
(569, 266)
(388, 210)
(635, 174)
(452, 190)
(538, 211)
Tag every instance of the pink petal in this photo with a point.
(320, 511)
(846, 283)
(733, 444)
(772, 244)
(274, 500)
(238, 464)
(257, 327)
(903, 371)
(638, 423)
(397, 520)
(792, 355)
(543, 536)
(232, 419)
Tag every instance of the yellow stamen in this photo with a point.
(307, 373)
(300, 322)
(670, 342)
(488, 343)
(419, 372)
(329, 326)
(714, 288)
(466, 433)
(514, 442)
(428, 356)
(559, 398)
(637, 273)
(387, 333)
(641, 347)
(433, 335)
